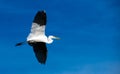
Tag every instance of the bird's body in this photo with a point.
(37, 38)
(37, 33)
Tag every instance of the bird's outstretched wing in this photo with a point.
(40, 51)
(38, 25)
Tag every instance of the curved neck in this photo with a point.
(49, 40)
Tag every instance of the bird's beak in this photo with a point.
(57, 38)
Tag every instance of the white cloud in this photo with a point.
(97, 68)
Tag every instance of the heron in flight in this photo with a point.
(37, 38)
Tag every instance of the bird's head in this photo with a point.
(51, 37)
(54, 37)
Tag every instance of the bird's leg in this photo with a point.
(20, 43)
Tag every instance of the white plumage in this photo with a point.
(37, 33)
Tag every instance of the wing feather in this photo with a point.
(40, 18)
(40, 52)
(38, 26)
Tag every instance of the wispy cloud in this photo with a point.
(98, 68)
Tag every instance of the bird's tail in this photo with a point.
(20, 43)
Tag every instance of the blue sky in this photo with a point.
(89, 32)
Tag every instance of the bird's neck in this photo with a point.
(49, 40)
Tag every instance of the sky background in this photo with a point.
(89, 32)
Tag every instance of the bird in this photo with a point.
(37, 37)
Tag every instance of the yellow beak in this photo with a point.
(57, 38)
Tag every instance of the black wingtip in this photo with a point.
(41, 56)
(40, 17)
(40, 51)
(42, 62)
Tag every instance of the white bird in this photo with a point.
(37, 38)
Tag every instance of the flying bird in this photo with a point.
(37, 38)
